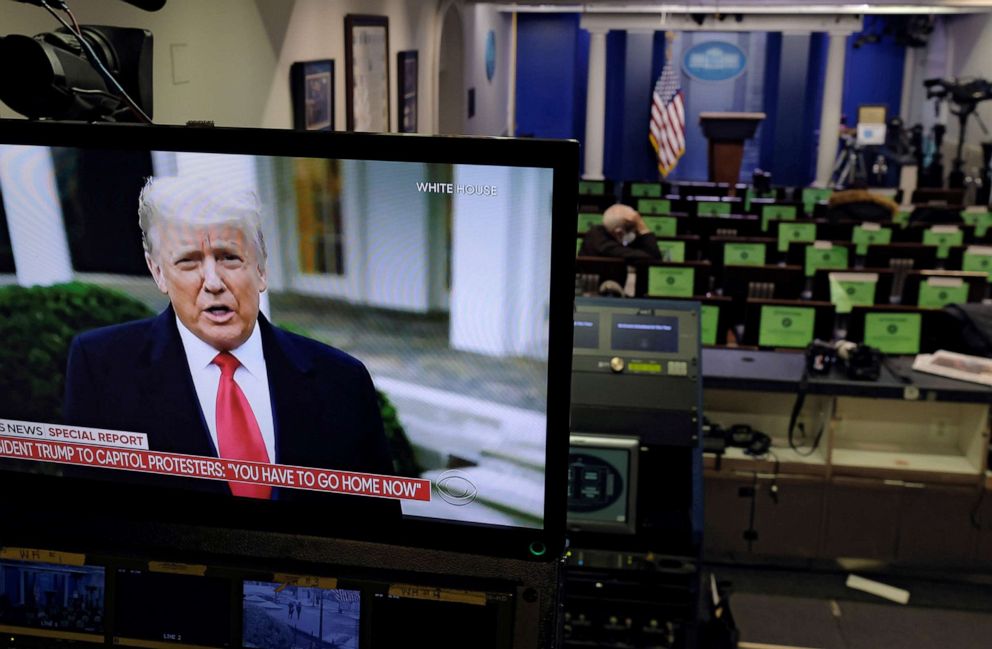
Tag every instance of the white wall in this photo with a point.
(303, 30)
(228, 60)
(490, 96)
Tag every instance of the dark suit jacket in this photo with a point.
(135, 377)
(599, 243)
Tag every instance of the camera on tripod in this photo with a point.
(964, 95)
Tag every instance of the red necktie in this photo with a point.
(238, 434)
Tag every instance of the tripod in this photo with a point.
(849, 167)
(956, 177)
(965, 95)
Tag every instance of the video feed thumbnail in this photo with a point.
(185, 610)
(287, 616)
(61, 601)
(440, 619)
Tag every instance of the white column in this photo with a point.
(34, 216)
(908, 76)
(511, 94)
(833, 95)
(595, 105)
(500, 268)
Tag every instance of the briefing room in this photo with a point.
(296, 351)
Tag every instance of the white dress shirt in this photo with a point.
(251, 377)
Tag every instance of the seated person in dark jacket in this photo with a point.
(623, 234)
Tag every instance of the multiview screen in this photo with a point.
(299, 329)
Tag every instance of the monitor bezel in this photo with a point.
(126, 504)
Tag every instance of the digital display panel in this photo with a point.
(645, 333)
(586, 333)
(314, 330)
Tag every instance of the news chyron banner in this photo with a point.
(111, 449)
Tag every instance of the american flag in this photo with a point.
(667, 129)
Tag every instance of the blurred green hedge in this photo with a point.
(36, 326)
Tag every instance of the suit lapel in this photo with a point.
(290, 375)
(167, 390)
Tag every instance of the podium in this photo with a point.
(726, 133)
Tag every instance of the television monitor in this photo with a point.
(399, 385)
(55, 601)
(158, 609)
(602, 483)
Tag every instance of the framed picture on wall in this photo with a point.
(312, 87)
(366, 40)
(406, 91)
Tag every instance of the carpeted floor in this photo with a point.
(816, 611)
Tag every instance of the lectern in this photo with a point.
(726, 133)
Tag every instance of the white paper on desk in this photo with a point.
(962, 367)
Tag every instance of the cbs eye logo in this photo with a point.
(455, 489)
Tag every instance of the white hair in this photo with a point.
(616, 215)
(194, 200)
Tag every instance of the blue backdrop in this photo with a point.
(783, 78)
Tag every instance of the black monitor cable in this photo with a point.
(794, 424)
(77, 31)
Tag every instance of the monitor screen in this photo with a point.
(358, 325)
(440, 618)
(285, 616)
(645, 333)
(602, 483)
(171, 609)
(55, 601)
(587, 331)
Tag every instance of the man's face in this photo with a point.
(212, 276)
(627, 231)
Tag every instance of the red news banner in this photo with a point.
(110, 449)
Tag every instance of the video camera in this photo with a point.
(963, 92)
(87, 73)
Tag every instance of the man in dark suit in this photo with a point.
(210, 375)
(623, 234)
